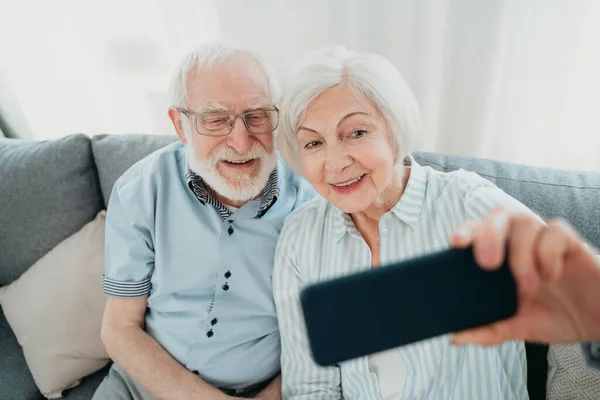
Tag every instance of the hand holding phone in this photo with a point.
(402, 303)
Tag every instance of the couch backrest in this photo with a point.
(114, 154)
(48, 191)
(573, 196)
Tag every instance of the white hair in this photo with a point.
(368, 75)
(208, 56)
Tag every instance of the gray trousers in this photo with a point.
(118, 385)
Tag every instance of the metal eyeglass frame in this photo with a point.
(194, 117)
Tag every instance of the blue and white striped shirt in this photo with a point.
(319, 242)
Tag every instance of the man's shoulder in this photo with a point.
(153, 168)
(293, 184)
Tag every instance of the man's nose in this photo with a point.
(239, 138)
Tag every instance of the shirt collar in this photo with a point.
(198, 187)
(408, 209)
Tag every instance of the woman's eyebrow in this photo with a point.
(307, 129)
(351, 115)
(340, 122)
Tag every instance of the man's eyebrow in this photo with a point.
(219, 107)
(259, 105)
(213, 107)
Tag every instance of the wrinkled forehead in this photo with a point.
(336, 102)
(236, 84)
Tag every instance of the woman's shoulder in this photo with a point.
(474, 193)
(304, 228)
(460, 180)
(308, 214)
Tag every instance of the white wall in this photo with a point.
(515, 80)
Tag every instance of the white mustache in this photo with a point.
(227, 153)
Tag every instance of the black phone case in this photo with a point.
(402, 303)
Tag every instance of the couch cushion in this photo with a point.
(55, 310)
(16, 380)
(569, 378)
(114, 154)
(49, 191)
(574, 196)
(88, 386)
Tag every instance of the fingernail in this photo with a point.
(500, 219)
(464, 232)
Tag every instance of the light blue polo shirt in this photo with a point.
(209, 277)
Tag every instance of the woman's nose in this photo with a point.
(337, 158)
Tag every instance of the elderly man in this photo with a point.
(190, 240)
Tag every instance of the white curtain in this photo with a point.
(94, 66)
(516, 80)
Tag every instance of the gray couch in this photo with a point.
(50, 189)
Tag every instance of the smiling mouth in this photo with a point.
(348, 183)
(238, 162)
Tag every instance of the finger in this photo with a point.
(574, 241)
(522, 252)
(551, 251)
(489, 335)
(490, 238)
(463, 235)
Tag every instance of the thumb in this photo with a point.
(488, 335)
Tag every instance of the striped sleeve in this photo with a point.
(483, 196)
(302, 378)
(129, 255)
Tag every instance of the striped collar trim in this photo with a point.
(198, 187)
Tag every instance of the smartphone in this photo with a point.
(405, 302)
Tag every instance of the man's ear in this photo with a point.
(175, 116)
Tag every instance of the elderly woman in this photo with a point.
(349, 124)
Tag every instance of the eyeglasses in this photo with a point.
(217, 123)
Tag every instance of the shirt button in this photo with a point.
(210, 333)
(214, 321)
(230, 231)
(385, 231)
(225, 287)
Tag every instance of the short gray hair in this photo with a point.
(368, 75)
(208, 56)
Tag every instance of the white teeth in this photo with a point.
(238, 162)
(349, 182)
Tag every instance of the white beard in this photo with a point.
(247, 186)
